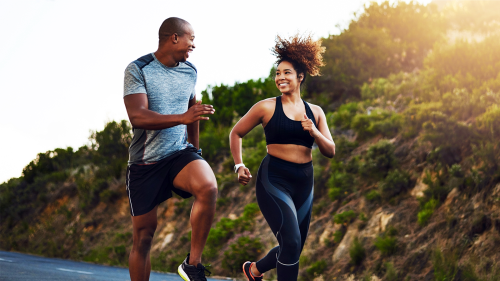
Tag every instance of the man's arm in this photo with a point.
(142, 118)
(193, 129)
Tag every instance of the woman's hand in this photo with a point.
(244, 175)
(308, 125)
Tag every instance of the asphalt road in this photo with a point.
(16, 266)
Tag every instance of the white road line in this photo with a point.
(77, 271)
(5, 260)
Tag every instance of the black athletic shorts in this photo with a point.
(149, 185)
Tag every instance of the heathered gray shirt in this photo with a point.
(168, 90)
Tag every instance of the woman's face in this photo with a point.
(286, 78)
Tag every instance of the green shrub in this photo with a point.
(456, 171)
(343, 116)
(390, 272)
(396, 182)
(338, 235)
(339, 185)
(377, 122)
(316, 268)
(373, 196)
(357, 252)
(426, 212)
(386, 245)
(227, 228)
(379, 159)
(344, 217)
(244, 249)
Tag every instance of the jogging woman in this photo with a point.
(284, 186)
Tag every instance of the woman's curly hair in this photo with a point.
(303, 52)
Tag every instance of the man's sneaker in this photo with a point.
(192, 273)
(247, 269)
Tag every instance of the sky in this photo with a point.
(62, 61)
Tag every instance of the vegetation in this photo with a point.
(411, 95)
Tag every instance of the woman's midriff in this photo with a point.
(290, 152)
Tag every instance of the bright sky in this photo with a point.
(62, 61)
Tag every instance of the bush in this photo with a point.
(396, 182)
(244, 249)
(340, 184)
(357, 252)
(344, 217)
(227, 228)
(426, 213)
(390, 272)
(343, 116)
(379, 160)
(377, 122)
(316, 269)
(386, 245)
(373, 196)
(338, 235)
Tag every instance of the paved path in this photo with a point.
(16, 266)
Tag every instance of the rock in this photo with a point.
(319, 278)
(343, 248)
(328, 233)
(420, 187)
(496, 190)
(452, 195)
(232, 216)
(377, 223)
(167, 240)
(476, 201)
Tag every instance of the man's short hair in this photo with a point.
(170, 26)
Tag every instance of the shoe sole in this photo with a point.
(182, 273)
(248, 277)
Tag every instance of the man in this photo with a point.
(160, 100)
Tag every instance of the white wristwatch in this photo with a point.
(237, 166)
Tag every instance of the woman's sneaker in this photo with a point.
(192, 273)
(247, 269)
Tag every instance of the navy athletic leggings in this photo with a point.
(285, 194)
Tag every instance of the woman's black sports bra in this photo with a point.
(283, 130)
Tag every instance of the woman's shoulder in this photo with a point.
(269, 103)
(316, 109)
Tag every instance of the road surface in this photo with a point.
(16, 266)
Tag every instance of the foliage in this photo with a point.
(374, 46)
(426, 212)
(233, 101)
(227, 228)
(396, 182)
(316, 268)
(344, 217)
(386, 245)
(244, 249)
(357, 252)
(373, 196)
(390, 272)
(378, 160)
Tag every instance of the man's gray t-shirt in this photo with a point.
(169, 90)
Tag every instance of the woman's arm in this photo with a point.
(245, 124)
(321, 134)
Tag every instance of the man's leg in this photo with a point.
(144, 229)
(198, 179)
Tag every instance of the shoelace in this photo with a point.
(205, 270)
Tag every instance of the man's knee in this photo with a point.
(143, 238)
(206, 191)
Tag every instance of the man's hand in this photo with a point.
(194, 113)
(308, 125)
(244, 175)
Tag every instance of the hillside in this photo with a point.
(413, 192)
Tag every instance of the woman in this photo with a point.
(284, 186)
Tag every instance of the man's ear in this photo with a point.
(175, 38)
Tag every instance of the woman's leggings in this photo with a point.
(285, 194)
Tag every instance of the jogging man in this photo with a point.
(164, 154)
